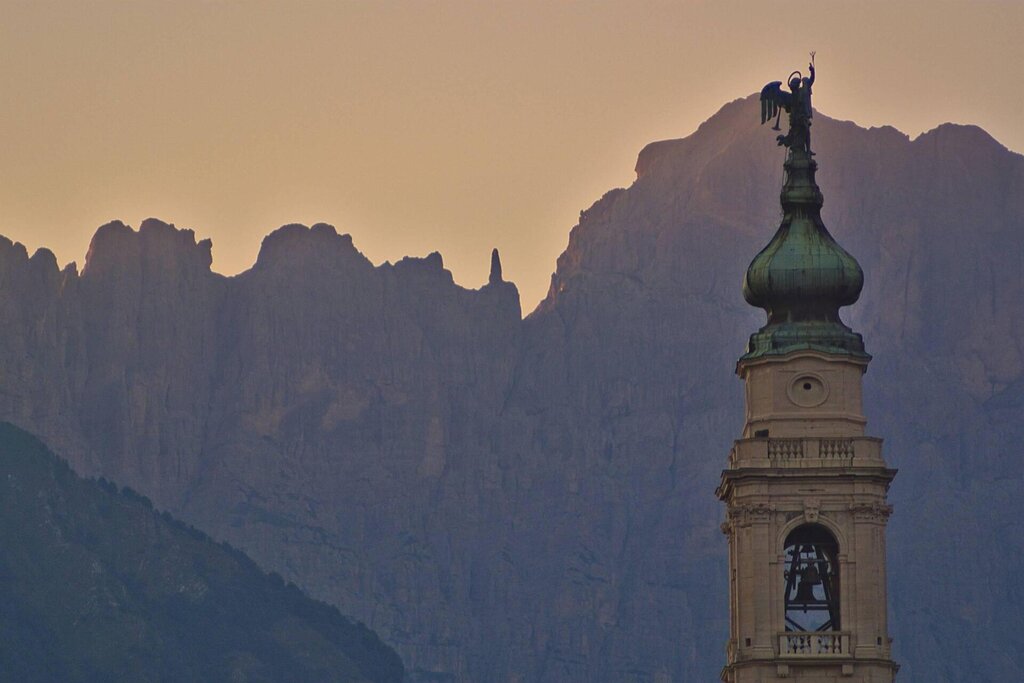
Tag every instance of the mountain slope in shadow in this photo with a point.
(96, 585)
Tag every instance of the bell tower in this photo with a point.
(805, 487)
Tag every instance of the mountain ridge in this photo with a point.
(532, 498)
(948, 131)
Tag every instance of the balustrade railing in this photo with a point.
(835, 449)
(807, 451)
(785, 449)
(814, 644)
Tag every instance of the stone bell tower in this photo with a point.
(805, 488)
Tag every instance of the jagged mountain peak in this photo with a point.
(958, 134)
(38, 271)
(725, 177)
(116, 246)
(422, 269)
(298, 247)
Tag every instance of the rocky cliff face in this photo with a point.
(508, 499)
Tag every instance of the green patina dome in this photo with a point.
(803, 276)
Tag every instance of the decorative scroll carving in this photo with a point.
(871, 512)
(746, 514)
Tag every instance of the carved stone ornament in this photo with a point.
(749, 513)
(871, 512)
(811, 508)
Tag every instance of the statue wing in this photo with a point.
(774, 98)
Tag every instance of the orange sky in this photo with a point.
(422, 126)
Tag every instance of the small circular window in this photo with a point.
(808, 391)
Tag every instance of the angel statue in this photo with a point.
(797, 104)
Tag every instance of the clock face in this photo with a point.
(807, 390)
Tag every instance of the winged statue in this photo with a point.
(796, 103)
(773, 100)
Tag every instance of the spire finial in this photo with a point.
(803, 277)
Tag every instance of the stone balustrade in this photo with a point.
(814, 644)
(807, 452)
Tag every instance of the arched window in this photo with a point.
(812, 579)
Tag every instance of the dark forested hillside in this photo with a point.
(532, 500)
(95, 585)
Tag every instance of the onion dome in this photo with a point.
(803, 277)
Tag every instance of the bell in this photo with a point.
(804, 593)
(805, 589)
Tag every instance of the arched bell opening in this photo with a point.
(812, 579)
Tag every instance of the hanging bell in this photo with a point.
(804, 593)
(805, 589)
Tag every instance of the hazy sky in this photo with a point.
(448, 126)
